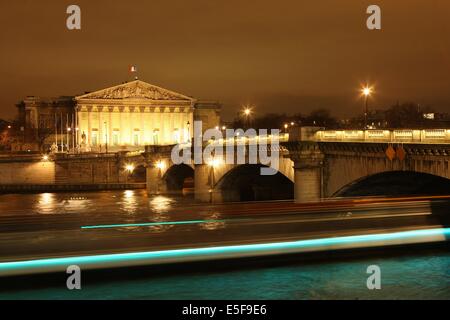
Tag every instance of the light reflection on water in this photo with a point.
(213, 225)
(161, 204)
(128, 203)
(46, 202)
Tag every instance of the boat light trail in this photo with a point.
(221, 252)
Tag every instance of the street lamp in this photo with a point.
(247, 113)
(160, 165)
(129, 168)
(366, 92)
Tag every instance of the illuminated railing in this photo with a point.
(407, 135)
(284, 137)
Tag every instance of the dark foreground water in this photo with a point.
(411, 274)
(419, 276)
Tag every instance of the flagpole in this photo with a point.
(67, 132)
(56, 131)
(62, 133)
(72, 131)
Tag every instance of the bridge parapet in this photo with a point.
(426, 136)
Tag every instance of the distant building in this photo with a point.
(123, 117)
(43, 121)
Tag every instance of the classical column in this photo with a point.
(161, 135)
(121, 122)
(186, 127)
(110, 127)
(172, 126)
(130, 125)
(308, 162)
(89, 133)
(150, 127)
(142, 126)
(101, 137)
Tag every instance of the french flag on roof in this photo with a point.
(133, 69)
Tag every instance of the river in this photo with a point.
(409, 275)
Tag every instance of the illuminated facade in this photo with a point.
(131, 115)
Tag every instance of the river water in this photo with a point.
(412, 275)
(128, 202)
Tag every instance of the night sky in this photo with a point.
(283, 56)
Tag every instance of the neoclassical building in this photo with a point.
(123, 117)
(131, 115)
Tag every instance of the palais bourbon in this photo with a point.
(123, 117)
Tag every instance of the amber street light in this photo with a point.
(366, 91)
(247, 112)
(129, 168)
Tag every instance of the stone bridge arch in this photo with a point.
(318, 169)
(396, 183)
(347, 163)
(245, 183)
(207, 177)
(177, 177)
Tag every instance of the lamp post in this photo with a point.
(247, 113)
(69, 132)
(366, 91)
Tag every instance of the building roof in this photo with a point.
(136, 89)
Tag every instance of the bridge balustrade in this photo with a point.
(401, 136)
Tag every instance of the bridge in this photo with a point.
(315, 164)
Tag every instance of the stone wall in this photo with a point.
(27, 172)
(67, 169)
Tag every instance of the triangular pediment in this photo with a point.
(135, 90)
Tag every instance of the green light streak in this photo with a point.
(146, 224)
(192, 254)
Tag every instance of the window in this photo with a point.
(115, 138)
(156, 137)
(136, 139)
(176, 136)
(94, 138)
